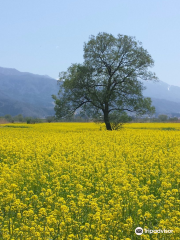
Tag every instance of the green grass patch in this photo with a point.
(170, 129)
(11, 126)
(164, 129)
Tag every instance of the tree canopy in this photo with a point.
(108, 80)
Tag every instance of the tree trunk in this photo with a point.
(108, 126)
(106, 120)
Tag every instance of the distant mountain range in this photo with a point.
(26, 93)
(30, 94)
(165, 97)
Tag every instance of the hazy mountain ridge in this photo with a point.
(13, 107)
(22, 91)
(29, 88)
(13, 71)
(162, 90)
(165, 97)
(30, 94)
(166, 107)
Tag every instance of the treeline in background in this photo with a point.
(78, 118)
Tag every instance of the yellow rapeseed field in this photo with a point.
(75, 181)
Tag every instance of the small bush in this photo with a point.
(163, 118)
(117, 119)
(50, 119)
(28, 120)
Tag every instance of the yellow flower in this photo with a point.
(70, 180)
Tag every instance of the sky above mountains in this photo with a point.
(46, 37)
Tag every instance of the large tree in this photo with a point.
(108, 81)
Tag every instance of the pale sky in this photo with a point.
(46, 37)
